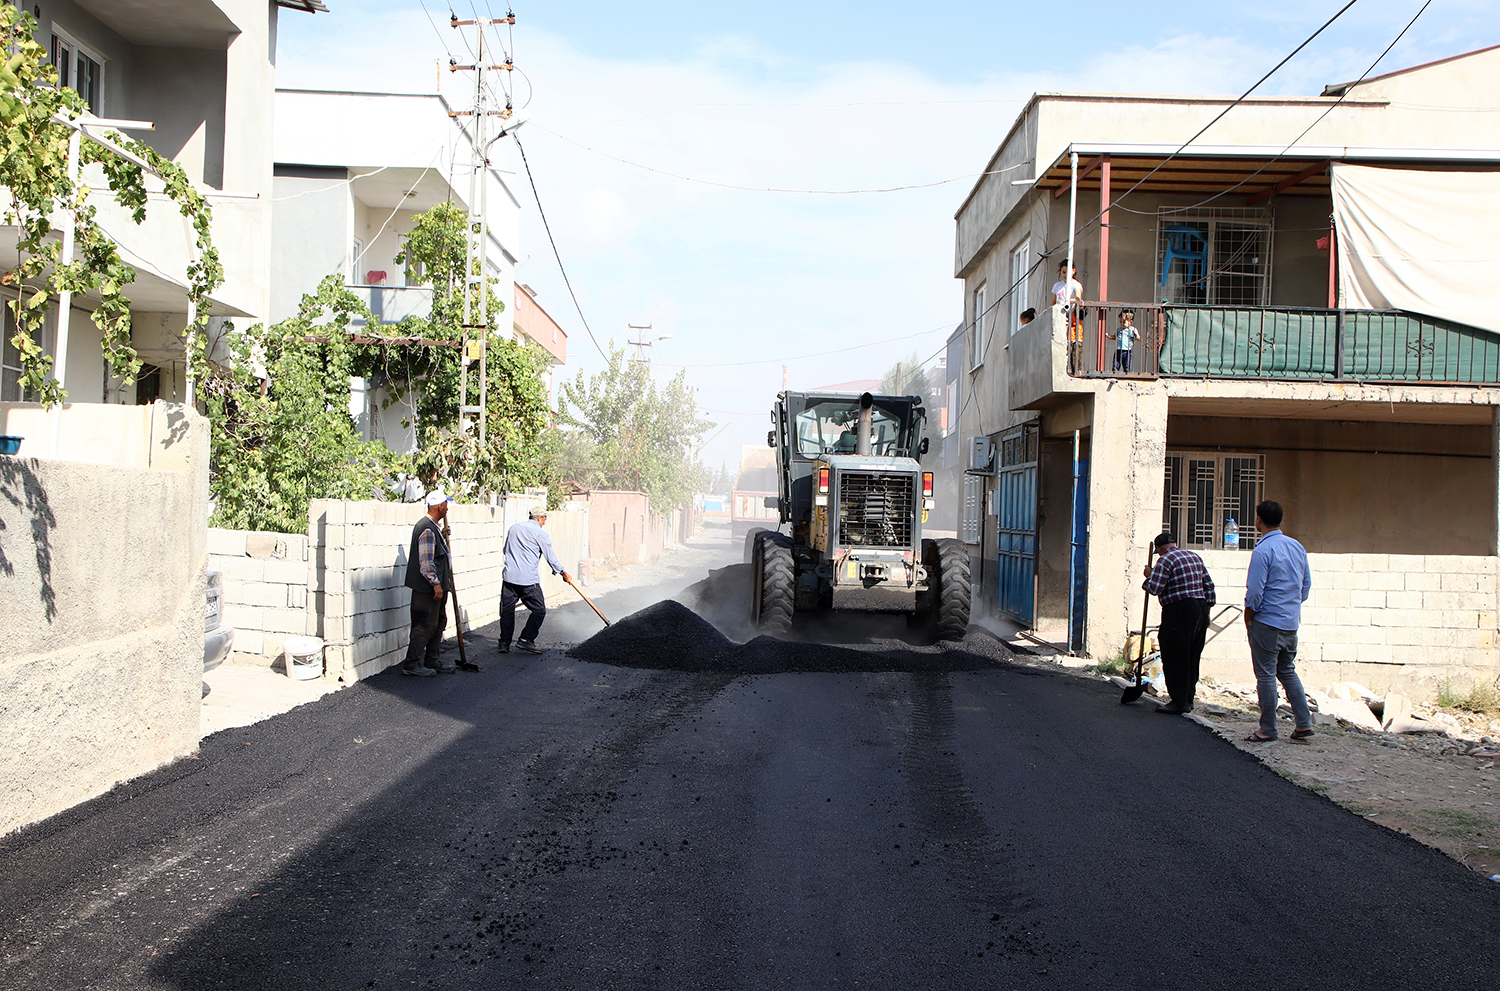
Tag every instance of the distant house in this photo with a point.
(1317, 288)
(203, 74)
(352, 172)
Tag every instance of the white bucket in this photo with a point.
(304, 658)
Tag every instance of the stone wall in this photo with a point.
(265, 587)
(101, 600)
(1383, 620)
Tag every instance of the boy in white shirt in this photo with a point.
(1066, 292)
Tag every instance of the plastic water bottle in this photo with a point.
(1231, 535)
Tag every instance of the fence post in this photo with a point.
(1338, 345)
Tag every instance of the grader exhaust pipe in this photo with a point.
(866, 432)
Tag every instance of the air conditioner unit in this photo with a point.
(981, 454)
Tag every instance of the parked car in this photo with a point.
(218, 638)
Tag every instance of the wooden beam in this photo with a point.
(1286, 183)
(1082, 174)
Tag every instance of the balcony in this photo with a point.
(1282, 344)
(392, 304)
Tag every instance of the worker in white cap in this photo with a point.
(429, 574)
(525, 546)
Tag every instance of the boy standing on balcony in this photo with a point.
(1067, 293)
(1124, 339)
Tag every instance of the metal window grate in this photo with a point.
(876, 510)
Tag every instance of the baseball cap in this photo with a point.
(437, 496)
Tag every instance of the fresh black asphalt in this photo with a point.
(561, 824)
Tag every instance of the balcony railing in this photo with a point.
(392, 304)
(1290, 343)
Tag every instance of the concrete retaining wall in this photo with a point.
(101, 600)
(265, 587)
(1383, 620)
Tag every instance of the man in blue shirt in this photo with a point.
(1277, 584)
(525, 546)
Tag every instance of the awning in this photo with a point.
(1421, 241)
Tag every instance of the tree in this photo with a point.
(280, 441)
(641, 434)
(429, 374)
(34, 170)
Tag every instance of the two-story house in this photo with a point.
(194, 80)
(1314, 285)
(352, 172)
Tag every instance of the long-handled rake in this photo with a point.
(1136, 690)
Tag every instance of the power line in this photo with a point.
(798, 357)
(553, 241)
(772, 189)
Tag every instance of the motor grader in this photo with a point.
(853, 498)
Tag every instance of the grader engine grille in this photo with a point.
(876, 510)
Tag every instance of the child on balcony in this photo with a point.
(1124, 339)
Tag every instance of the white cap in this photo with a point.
(537, 512)
(437, 497)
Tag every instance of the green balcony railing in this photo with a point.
(1295, 343)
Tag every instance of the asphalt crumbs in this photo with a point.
(952, 821)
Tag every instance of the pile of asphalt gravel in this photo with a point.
(667, 635)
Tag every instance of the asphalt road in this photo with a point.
(551, 823)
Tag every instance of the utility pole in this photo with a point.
(642, 344)
(476, 289)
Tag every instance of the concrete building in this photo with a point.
(1267, 365)
(202, 72)
(534, 323)
(352, 172)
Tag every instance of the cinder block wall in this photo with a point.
(358, 599)
(101, 601)
(265, 588)
(1383, 620)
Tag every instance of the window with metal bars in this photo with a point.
(1214, 257)
(1205, 491)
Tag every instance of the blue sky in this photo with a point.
(810, 96)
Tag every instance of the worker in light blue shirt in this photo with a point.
(1277, 584)
(525, 545)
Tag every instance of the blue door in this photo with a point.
(1015, 529)
(1079, 585)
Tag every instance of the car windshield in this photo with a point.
(832, 428)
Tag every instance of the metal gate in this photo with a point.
(1015, 521)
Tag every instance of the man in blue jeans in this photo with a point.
(1275, 588)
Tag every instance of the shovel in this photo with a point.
(1136, 690)
(588, 600)
(458, 625)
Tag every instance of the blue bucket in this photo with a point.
(10, 444)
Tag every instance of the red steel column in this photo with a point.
(1104, 195)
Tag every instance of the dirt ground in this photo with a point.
(1440, 790)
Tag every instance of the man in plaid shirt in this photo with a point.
(1186, 592)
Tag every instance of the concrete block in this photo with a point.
(230, 543)
(1404, 600)
(1488, 583)
(1408, 618)
(1329, 562)
(336, 512)
(1439, 600)
(286, 571)
(1459, 582)
(255, 594)
(296, 597)
(1423, 581)
(1478, 565)
(360, 512)
(245, 617)
(1351, 580)
(1331, 598)
(289, 622)
(249, 641)
(1362, 597)
(1333, 651)
(243, 570)
(1375, 653)
(1353, 712)
(1390, 581)
(1370, 562)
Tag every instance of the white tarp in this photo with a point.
(1428, 242)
